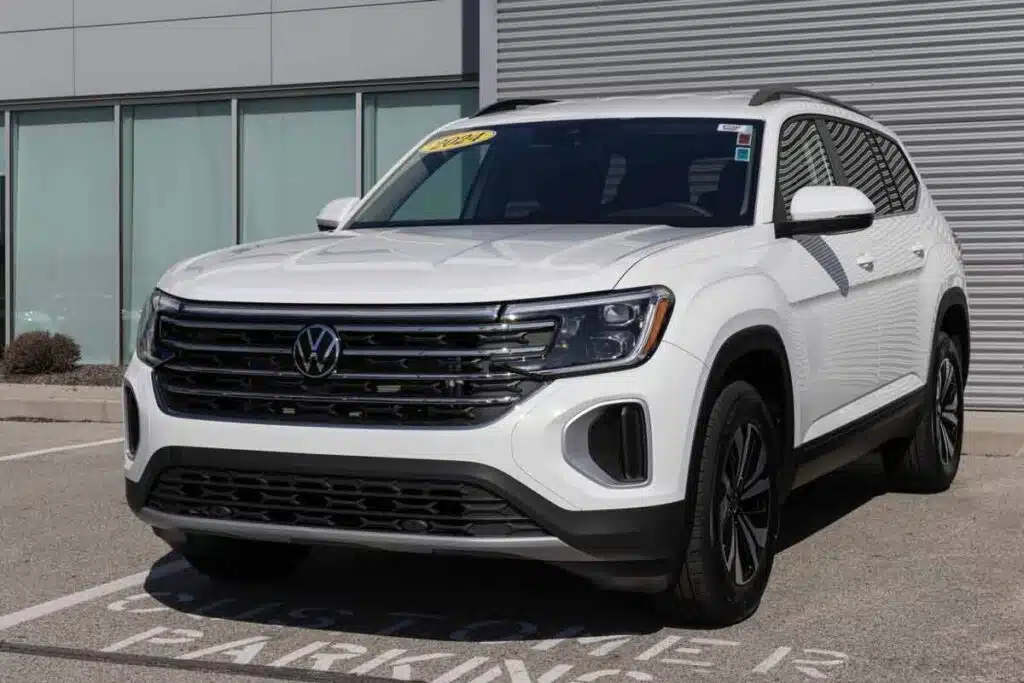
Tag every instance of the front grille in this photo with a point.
(398, 366)
(338, 502)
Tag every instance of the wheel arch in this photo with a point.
(742, 355)
(954, 318)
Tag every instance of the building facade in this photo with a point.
(138, 132)
(945, 75)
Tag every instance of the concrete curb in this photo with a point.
(60, 403)
(1000, 434)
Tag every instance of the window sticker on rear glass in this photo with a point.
(743, 138)
(456, 140)
(735, 128)
(742, 154)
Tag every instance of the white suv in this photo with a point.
(611, 335)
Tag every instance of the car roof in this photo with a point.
(728, 105)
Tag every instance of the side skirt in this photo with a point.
(838, 448)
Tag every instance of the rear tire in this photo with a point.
(731, 544)
(233, 560)
(930, 463)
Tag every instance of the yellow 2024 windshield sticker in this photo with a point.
(465, 138)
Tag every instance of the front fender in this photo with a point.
(705, 319)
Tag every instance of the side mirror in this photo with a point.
(335, 213)
(827, 209)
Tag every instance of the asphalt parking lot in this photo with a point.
(869, 586)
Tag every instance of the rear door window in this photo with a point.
(863, 166)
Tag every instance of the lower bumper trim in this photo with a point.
(543, 548)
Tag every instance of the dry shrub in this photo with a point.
(39, 352)
(64, 353)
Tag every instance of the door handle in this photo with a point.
(866, 261)
(918, 249)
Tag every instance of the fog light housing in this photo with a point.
(130, 415)
(610, 444)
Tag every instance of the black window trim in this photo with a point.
(779, 209)
(877, 152)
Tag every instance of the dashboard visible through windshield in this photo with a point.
(684, 172)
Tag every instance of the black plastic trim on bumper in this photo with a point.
(648, 534)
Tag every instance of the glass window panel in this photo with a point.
(906, 184)
(395, 122)
(65, 227)
(861, 164)
(3, 235)
(177, 199)
(803, 160)
(297, 155)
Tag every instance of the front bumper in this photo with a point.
(520, 458)
(633, 536)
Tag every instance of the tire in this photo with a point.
(930, 462)
(709, 590)
(232, 560)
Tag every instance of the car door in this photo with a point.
(829, 295)
(896, 249)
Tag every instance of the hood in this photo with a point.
(423, 265)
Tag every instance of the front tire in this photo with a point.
(233, 560)
(731, 547)
(930, 463)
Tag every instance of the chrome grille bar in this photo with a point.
(399, 365)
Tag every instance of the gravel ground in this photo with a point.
(83, 375)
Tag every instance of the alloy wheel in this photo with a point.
(744, 504)
(947, 411)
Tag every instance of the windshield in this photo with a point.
(681, 172)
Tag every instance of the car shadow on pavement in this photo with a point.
(816, 506)
(471, 599)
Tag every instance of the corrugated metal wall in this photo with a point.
(947, 75)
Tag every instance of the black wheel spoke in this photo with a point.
(732, 552)
(755, 488)
(947, 419)
(739, 443)
(758, 531)
(723, 512)
(753, 544)
(945, 381)
(744, 504)
(753, 464)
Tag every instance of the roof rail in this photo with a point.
(774, 93)
(512, 104)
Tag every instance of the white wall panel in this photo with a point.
(173, 55)
(376, 41)
(51, 56)
(33, 15)
(93, 12)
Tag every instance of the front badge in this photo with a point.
(317, 351)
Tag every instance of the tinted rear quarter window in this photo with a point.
(903, 175)
(862, 166)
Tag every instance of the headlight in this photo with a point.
(145, 344)
(599, 332)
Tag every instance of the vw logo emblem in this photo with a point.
(317, 351)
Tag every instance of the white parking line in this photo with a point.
(60, 449)
(66, 602)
